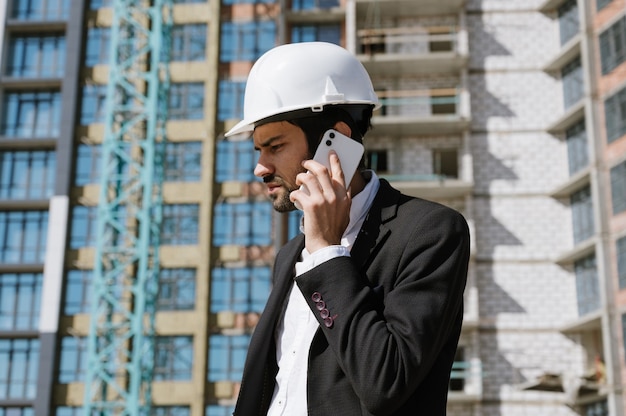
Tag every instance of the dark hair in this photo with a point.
(315, 123)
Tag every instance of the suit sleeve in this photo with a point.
(385, 343)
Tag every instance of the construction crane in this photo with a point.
(121, 344)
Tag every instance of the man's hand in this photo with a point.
(327, 206)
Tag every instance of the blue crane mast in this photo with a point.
(121, 341)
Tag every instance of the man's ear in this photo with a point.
(343, 128)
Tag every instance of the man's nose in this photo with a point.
(262, 170)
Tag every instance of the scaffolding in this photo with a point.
(121, 344)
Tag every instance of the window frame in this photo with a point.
(18, 243)
(27, 174)
(42, 109)
(612, 45)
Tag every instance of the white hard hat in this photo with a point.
(298, 76)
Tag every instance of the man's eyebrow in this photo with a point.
(268, 142)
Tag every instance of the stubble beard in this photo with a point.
(280, 200)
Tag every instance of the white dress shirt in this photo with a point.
(298, 325)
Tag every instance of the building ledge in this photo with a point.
(589, 322)
(546, 382)
(579, 251)
(332, 15)
(550, 5)
(450, 62)
(574, 183)
(568, 119)
(568, 52)
(416, 125)
(396, 8)
(430, 189)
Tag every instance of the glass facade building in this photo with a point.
(525, 135)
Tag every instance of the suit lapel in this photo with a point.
(375, 229)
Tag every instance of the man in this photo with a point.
(366, 307)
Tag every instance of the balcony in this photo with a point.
(412, 50)
(434, 187)
(397, 8)
(316, 11)
(422, 111)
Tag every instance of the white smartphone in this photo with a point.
(348, 150)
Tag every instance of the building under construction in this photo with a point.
(136, 245)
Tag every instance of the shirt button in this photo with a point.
(324, 313)
(329, 322)
(316, 297)
(321, 305)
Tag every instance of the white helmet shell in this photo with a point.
(303, 75)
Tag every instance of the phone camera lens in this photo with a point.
(328, 142)
(331, 135)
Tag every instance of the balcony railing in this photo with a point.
(420, 102)
(409, 40)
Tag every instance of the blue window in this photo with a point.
(314, 4)
(73, 364)
(615, 114)
(601, 4)
(582, 214)
(183, 161)
(68, 411)
(587, 287)
(31, 114)
(321, 33)
(247, 41)
(23, 236)
(572, 76)
(180, 224)
(294, 221)
(177, 289)
(27, 174)
(93, 104)
(218, 410)
(78, 284)
(88, 163)
(613, 46)
(231, 2)
(46, 10)
(620, 246)
(16, 411)
(36, 56)
(170, 411)
(173, 358)
(20, 301)
(19, 360)
(186, 101)
(577, 148)
(227, 355)
(244, 224)
(235, 161)
(618, 187)
(84, 226)
(230, 100)
(188, 43)
(568, 20)
(97, 47)
(98, 4)
(241, 289)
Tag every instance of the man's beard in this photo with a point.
(281, 202)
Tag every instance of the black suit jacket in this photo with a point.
(396, 306)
